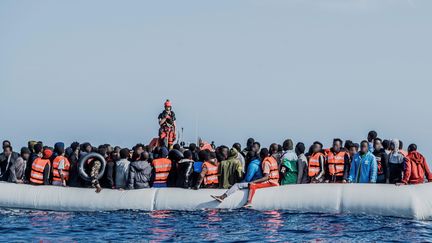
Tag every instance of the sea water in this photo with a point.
(209, 225)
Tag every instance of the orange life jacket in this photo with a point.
(274, 169)
(314, 167)
(211, 177)
(336, 163)
(37, 170)
(162, 168)
(56, 174)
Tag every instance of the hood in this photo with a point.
(185, 161)
(233, 153)
(396, 143)
(139, 165)
(122, 162)
(416, 157)
(290, 155)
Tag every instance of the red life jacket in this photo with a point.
(37, 170)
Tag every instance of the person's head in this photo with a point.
(249, 143)
(237, 146)
(394, 145)
(117, 149)
(256, 146)
(192, 147)
(31, 145)
(203, 155)
(348, 144)
(163, 152)
(138, 149)
(102, 150)
(212, 157)
(353, 150)
(59, 148)
(177, 147)
(145, 156)
(224, 151)
(109, 148)
(7, 150)
(6, 143)
(400, 145)
(38, 148)
(86, 147)
(357, 146)
(364, 147)
(371, 136)
(124, 153)
(233, 153)
(412, 148)
(316, 148)
(337, 145)
(319, 144)
(75, 146)
(47, 153)
(273, 148)
(114, 155)
(25, 153)
(300, 148)
(251, 155)
(264, 153)
(288, 145)
(378, 144)
(167, 105)
(187, 154)
(386, 144)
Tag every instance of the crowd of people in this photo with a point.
(204, 165)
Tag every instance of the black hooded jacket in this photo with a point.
(184, 173)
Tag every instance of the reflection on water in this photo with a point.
(272, 224)
(163, 230)
(207, 225)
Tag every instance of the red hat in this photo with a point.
(167, 103)
(47, 153)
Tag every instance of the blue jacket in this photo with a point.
(371, 147)
(366, 165)
(254, 171)
(197, 166)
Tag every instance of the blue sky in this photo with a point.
(100, 71)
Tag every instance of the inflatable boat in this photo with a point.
(387, 200)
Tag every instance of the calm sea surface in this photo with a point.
(212, 225)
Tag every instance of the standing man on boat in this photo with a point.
(337, 163)
(167, 130)
(364, 166)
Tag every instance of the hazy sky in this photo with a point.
(100, 71)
